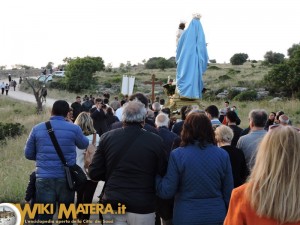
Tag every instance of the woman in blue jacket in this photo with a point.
(199, 175)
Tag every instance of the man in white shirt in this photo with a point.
(119, 111)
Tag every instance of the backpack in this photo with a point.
(89, 153)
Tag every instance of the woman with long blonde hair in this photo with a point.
(86, 192)
(272, 194)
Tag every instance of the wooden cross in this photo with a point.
(153, 82)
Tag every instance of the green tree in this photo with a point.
(292, 49)
(172, 62)
(160, 63)
(49, 65)
(238, 59)
(109, 67)
(80, 72)
(37, 87)
(122, 68)
(285, 77)
(273, 58)
(128, 66)
(67, 60)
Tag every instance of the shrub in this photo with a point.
(10, 130)
(60, 85)
(116, 80)
(213, 68)
(232, 93)
(80, 72)
(249, 95)
(273, 58)
(238, 59)
(224, 77)
(233, 72)
(213, 61)
(107, 84)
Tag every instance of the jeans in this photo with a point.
(52, 191)
(130, 219)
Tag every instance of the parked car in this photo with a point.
(45, 78)
(59, 73)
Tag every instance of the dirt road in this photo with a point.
(25, 96)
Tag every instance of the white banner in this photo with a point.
(127, 85)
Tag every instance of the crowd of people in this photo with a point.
(5, 87)
(201, 169)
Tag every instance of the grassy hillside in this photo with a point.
(15, 169)
(217, 77)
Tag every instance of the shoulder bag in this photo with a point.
(74, 174)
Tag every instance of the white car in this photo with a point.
(45, 78)
(59, 73)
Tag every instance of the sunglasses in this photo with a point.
(272, 127)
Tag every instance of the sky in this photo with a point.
(35, 32)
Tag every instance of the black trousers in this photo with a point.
(85, 195)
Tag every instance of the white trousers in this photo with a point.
(130, 219)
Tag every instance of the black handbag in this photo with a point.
(74, 174)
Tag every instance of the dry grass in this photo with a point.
(15, 169)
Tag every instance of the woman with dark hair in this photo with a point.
(110, 117)
(270, 120)
(199, 175)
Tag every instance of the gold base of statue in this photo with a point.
(176, 102)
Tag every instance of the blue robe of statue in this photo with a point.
(192, 59)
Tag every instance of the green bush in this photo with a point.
(233, 72)
(107, 84)
(249, 95)
(80, 72)
(60, 85)
(273, 58)
(116, 80)
(238, 59)
(232, 93)
(10, 130)
(224, 77)
(213, 68)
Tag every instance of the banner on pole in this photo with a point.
(127, 85)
